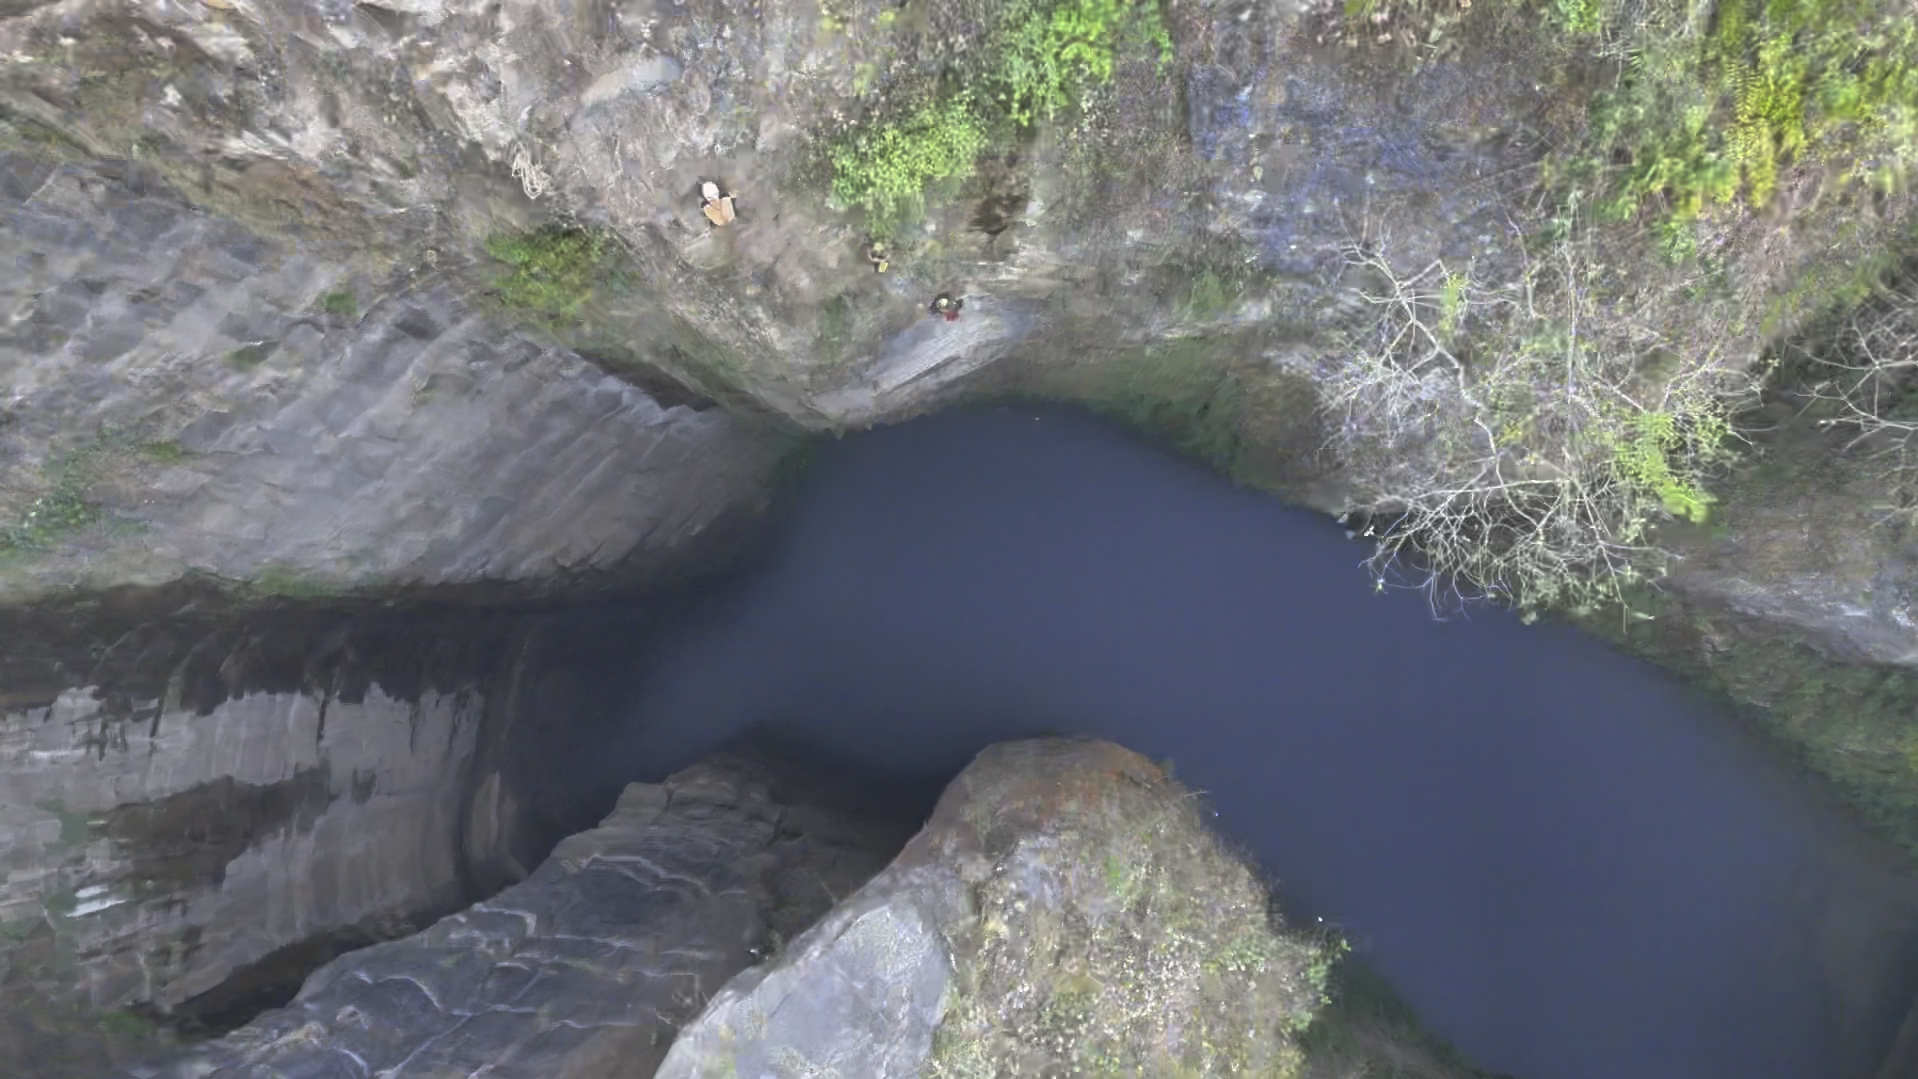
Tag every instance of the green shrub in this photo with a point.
(1706, 113)
(886, 169)
(1050, 55)
(1646, 448)
(1043, 58)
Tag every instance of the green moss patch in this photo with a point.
(63, 510)
(549, 274)
(340, 302)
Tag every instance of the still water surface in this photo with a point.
(1571, 868)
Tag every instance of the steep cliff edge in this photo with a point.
(1196, 215)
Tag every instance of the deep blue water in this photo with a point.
(1568, 865)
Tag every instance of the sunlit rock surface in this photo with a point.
(587, 967)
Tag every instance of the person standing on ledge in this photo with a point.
(718, 208)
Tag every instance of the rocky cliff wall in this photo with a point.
(185, 397)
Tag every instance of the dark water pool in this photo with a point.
(1569, 866)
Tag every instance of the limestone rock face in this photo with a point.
(199, 806)
(1064, 912)
(183, 396)
(586, 968)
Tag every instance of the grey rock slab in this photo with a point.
(585, 968)
(156, 849)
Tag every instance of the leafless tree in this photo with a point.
(1519, 437)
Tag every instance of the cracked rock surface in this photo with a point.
(587, 967)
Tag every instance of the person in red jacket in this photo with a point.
(944, 304)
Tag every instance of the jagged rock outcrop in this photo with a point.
(1065, 911)
(587, 967)
(184, 396)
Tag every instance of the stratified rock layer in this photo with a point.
(586, 968)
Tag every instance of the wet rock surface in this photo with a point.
(1064, 912)
(588, 966)
(184, 396)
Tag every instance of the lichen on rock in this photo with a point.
(1066, 910)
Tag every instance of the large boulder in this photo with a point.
(586, 968)
(1065, 911)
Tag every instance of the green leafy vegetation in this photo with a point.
(549, 274)
(886, 169)
(1042, 59)
(1049, 56)
(1646, 448)
(1714, 103)
(1512, 442)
